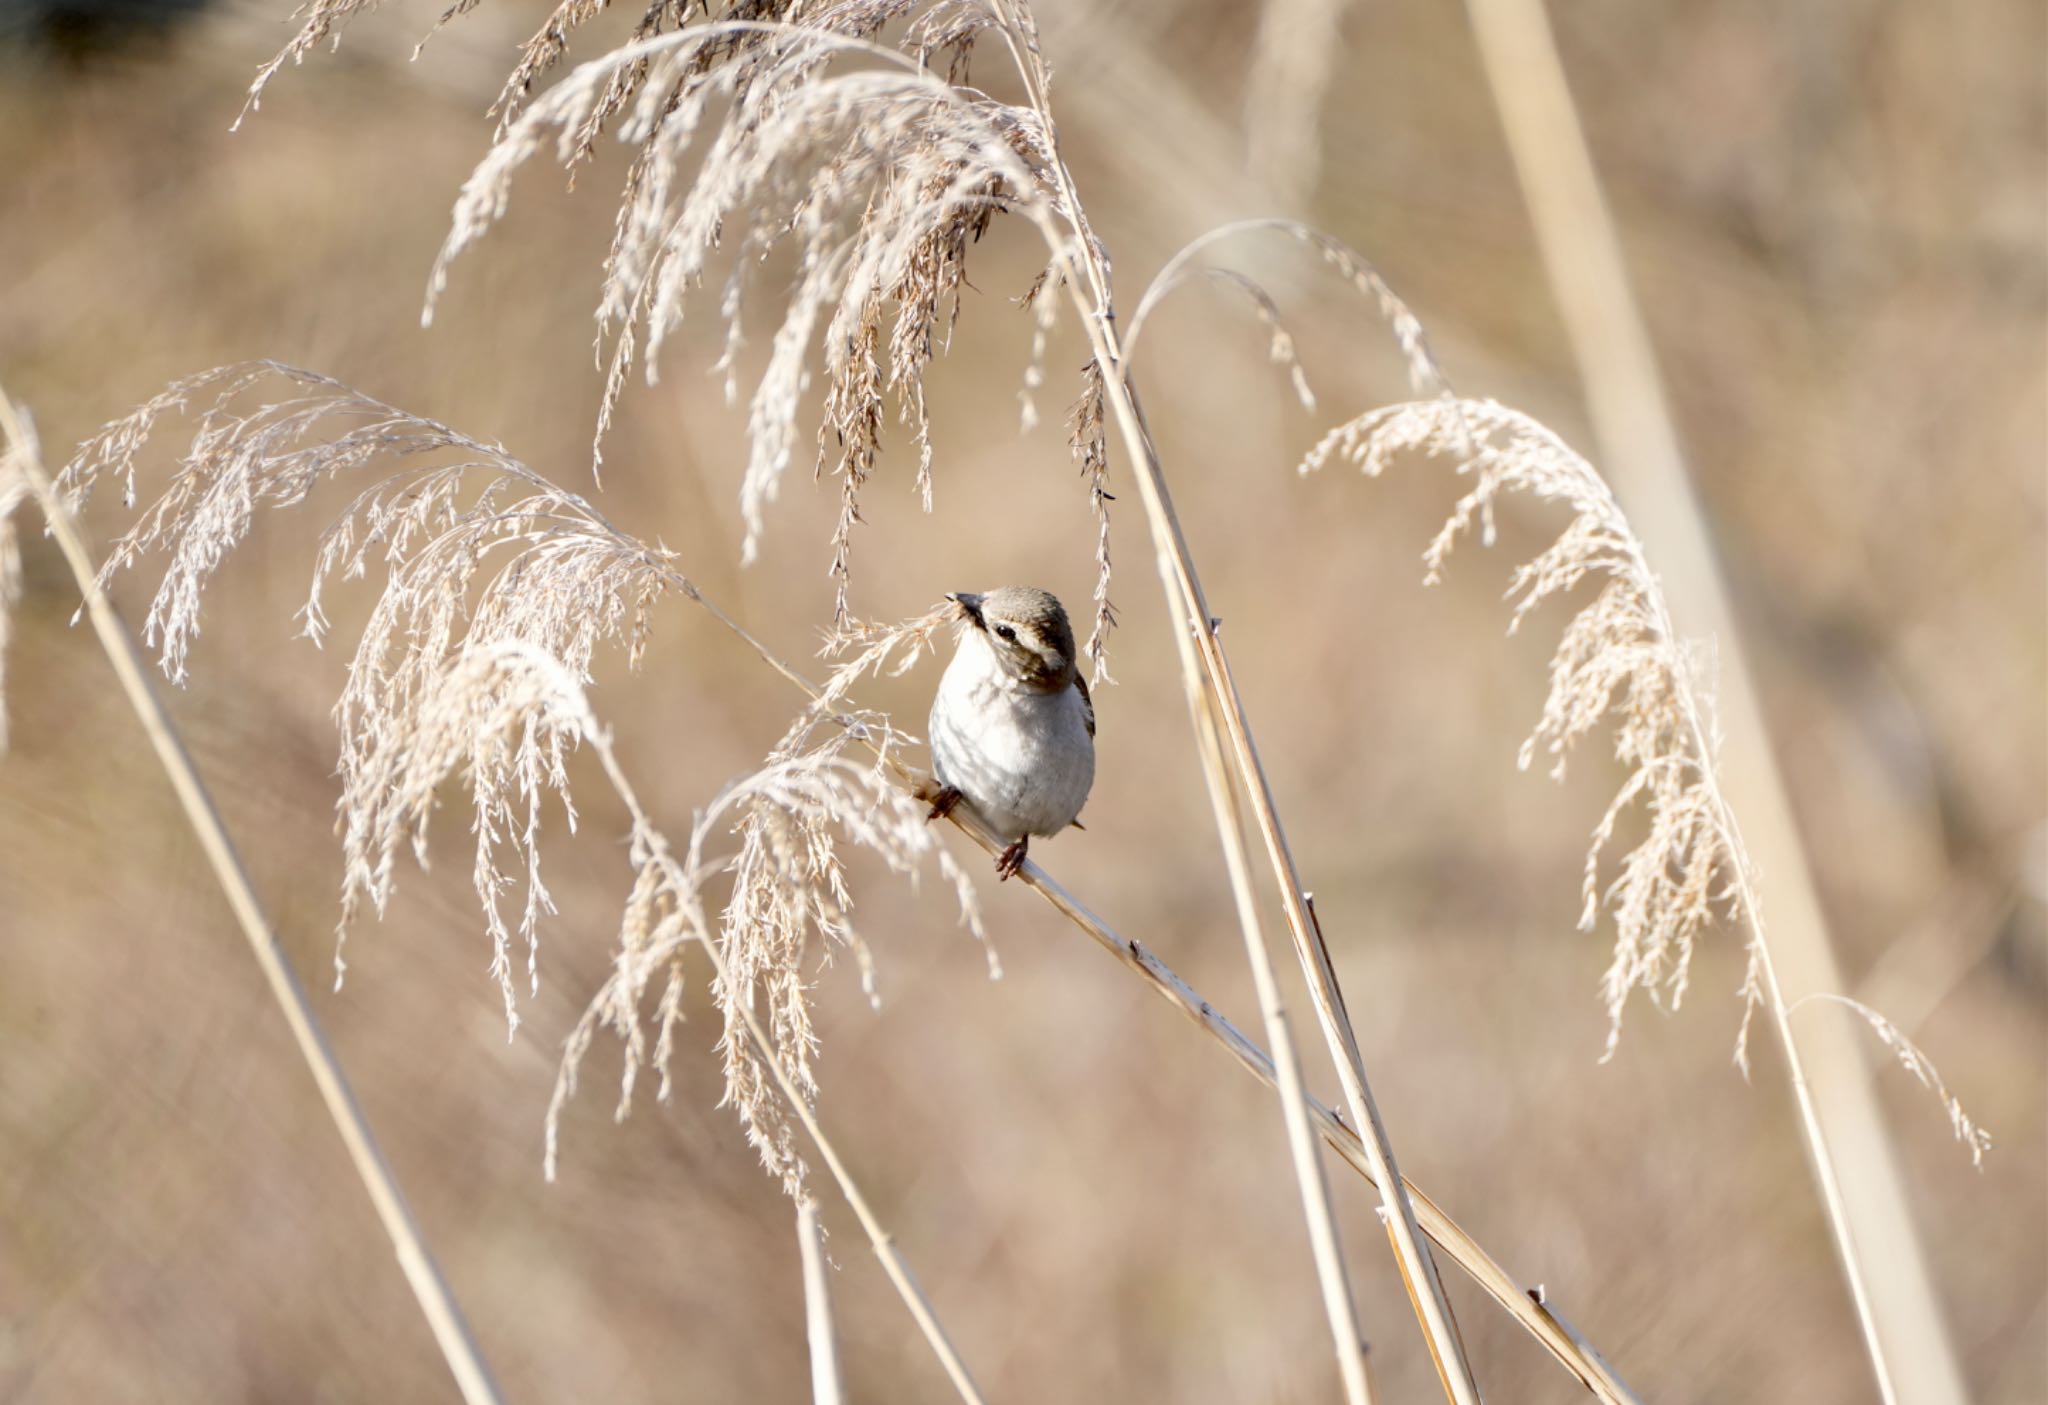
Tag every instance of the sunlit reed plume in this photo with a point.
(488, 567)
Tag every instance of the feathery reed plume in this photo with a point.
(488, 567)
(475, 547)
(1088, 441)
(1619, 661)
(1425, 376)
(1618, 657)
(786, 883)
(321, 23)
(880, 179)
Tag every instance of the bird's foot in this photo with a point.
(1011, 859)
(943, 801)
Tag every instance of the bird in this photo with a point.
(1012, 726)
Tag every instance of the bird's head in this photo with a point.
(1025, 631)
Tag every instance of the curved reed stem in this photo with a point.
(436, 1300)
(1087, 284)
(1190, 607)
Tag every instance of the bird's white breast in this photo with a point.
(1023, 759)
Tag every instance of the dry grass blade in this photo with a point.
(1339, 1302)
(826, 1388)
(430, 1289)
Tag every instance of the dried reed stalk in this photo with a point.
(1187, 603)
(1295, 1103)
(826, 1388)
(1847, 1144)
(437, 1302)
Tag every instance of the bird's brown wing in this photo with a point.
(1087, 703)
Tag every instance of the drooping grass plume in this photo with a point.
(879, 178)
(475, 548)
(1617, 660)
(480, 553)
(1619, 664)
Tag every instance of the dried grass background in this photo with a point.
(1835, 223)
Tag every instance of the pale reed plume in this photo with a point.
(1619, 664)
(879, 178)
(477, 551)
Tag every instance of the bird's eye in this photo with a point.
(1005, 632)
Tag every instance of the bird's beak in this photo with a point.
(971, 603)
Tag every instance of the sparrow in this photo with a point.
(1013, 727)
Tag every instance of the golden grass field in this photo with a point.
(1834, 217)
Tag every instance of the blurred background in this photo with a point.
(1834, 215)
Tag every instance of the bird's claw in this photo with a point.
(1011, 859)
(943, 802)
